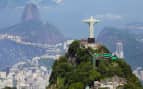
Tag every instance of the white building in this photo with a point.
(141, 73)
(32, 77)
(3, 75)
(30, 74)
(119, 49)
(110, 83)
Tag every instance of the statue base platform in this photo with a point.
(91, 40)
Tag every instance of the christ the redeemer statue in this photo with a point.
(91, 23)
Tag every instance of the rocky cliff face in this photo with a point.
(31, 12)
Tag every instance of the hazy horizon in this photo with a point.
(67, 15)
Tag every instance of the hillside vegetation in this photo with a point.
(75, 69)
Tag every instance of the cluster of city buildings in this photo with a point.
(31, 74)
(109, 83)
(26, 75)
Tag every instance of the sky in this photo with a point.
(67, 15)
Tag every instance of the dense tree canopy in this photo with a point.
(75, 69)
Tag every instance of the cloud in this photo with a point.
(22, 3)
(110, 16)
(59, 1)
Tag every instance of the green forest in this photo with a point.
(75, 70)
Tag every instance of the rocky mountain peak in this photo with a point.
(31, 12)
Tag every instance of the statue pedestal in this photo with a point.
(91, 40)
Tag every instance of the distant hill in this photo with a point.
(35, 31)
(31, 29)
(132, 40)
